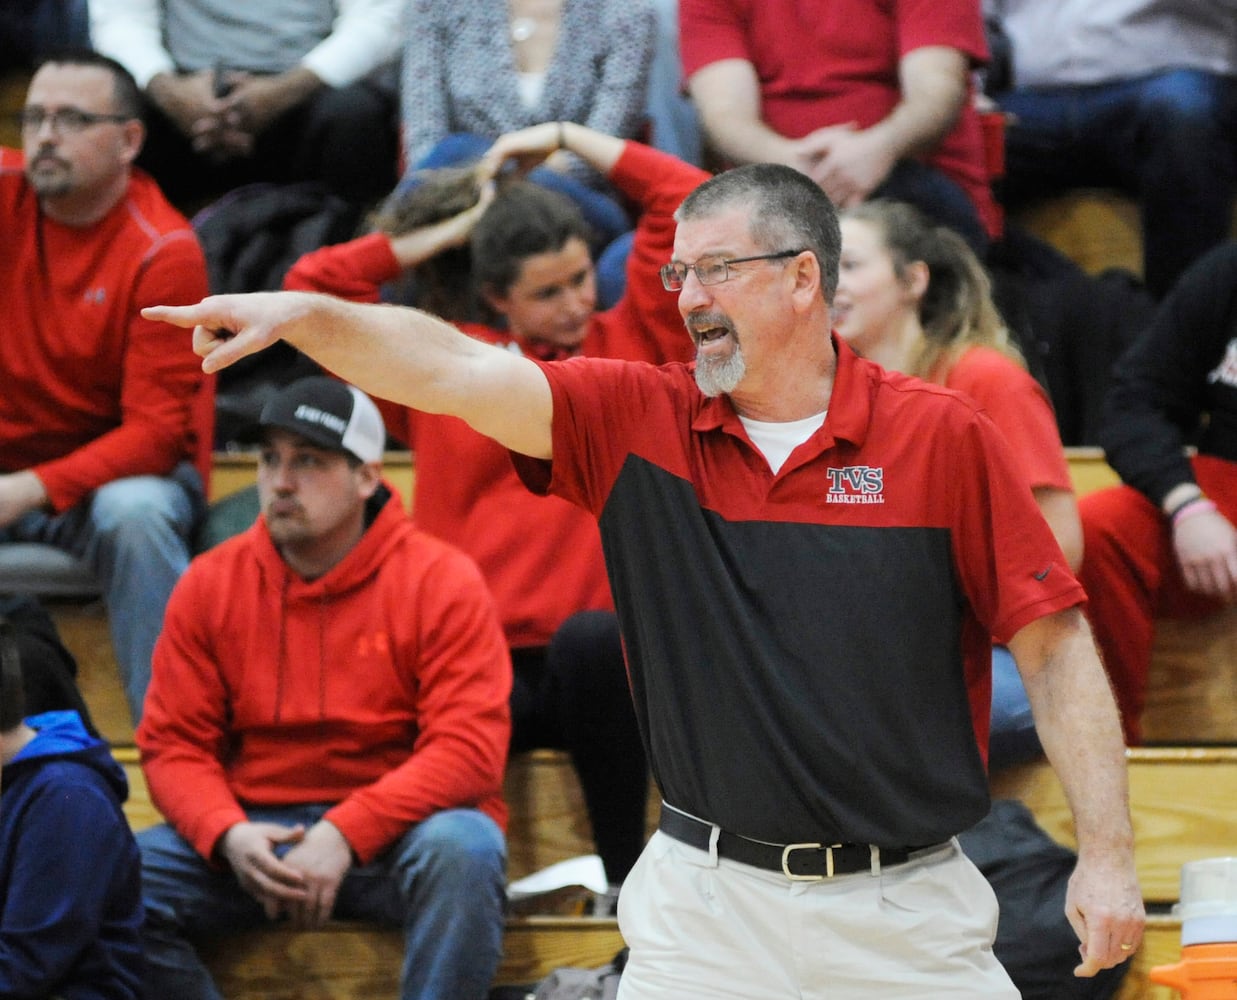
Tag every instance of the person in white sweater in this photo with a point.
(286, 90)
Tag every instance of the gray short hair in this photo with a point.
(787, 209)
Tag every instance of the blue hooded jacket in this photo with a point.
(70, 872)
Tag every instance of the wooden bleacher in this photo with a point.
(1096, 228)
(1180, 802)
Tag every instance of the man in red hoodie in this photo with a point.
(327, 723)
(96, 414)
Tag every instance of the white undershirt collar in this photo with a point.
(777, 440)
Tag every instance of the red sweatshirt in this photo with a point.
(540, 555)
(381, 686)
(91, 391)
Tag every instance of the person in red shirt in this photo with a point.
(96, 414)
(541, 555)
(866, 99)
(1163, 544)
(328, 720)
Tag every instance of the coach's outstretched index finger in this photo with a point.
(227, 328)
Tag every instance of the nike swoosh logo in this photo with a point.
(1041, 576)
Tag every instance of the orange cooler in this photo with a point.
(1208, 911)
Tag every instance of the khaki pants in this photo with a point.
(703, 928)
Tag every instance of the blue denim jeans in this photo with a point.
(1012, 739)
(443, 882)
(611, 270)
(134, 533)
(1165, 139)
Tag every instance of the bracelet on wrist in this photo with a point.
(1199, 505)
(1181, 505)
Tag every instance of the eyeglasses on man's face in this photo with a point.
(63, 121)
(712, 270)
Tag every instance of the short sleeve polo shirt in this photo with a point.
(809, 651)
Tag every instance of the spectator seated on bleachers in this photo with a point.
(299, 90)
(101, 410)
(868, 100)
(1138, 95)
(471, 75)
(352, 669)
(70, 899)
(1165, 543)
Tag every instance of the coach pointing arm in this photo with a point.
(425, 363)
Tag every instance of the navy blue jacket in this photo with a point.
(70, 873)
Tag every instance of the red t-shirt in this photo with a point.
(1020, 408)
(829, 63)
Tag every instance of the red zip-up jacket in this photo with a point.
(381, 686)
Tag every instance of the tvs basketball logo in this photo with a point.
(856, 484)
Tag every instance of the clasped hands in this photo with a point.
(848, 162)
(525, 149)
(222, 114)
(300, 883)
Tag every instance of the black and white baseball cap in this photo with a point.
(330, 414)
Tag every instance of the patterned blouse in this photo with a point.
(459, 71)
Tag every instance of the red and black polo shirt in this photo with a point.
(809, 651)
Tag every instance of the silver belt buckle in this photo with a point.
(791, 848)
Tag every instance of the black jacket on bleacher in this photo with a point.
(1177, 383)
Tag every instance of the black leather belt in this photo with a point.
(807, 862)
